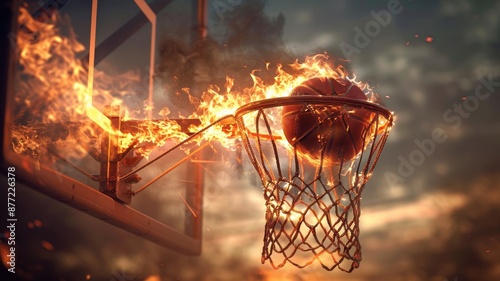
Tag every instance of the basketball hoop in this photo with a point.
(312, 203)
(314, 150)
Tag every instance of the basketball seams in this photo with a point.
(320, 92)
(314, 90)
(366, 121)
(347, 91)
(337, 119)
(323, 132)
(333, 92)
(299, 114)
(347, 127)
(331, 83)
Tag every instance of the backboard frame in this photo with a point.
(75, 194)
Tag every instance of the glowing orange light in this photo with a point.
(56, 90)
(47, 245)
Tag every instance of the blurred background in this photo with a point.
(430, 211)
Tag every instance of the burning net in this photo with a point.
(312, 204)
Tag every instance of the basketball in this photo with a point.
(326, 131)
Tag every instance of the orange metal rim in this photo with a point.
(312, 100)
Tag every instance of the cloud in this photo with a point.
(315, 44)
(455, 7)
(482, 26)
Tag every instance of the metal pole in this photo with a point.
(200, 20)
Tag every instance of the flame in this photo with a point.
(216, 102)
(53, 89)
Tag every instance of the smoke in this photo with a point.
(245, 40)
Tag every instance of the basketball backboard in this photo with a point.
(88, 170)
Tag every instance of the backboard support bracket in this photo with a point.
(115, 164)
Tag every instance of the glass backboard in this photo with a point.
(79, 124)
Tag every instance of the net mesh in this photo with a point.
(313, 203)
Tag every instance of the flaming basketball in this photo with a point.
(326, 131)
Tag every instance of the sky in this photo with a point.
(430, 210)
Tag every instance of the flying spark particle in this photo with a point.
(47, 245)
